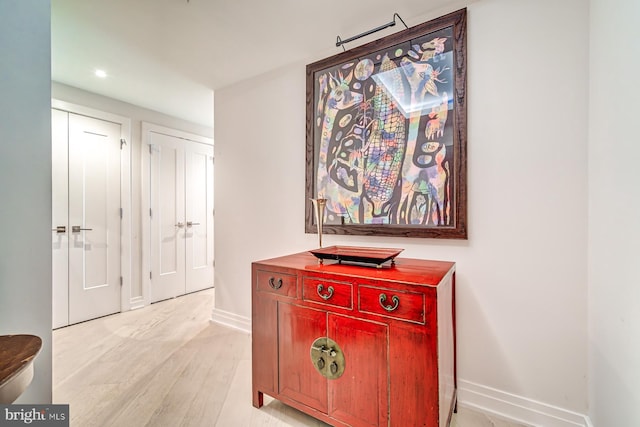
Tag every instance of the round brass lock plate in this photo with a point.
(327, 357)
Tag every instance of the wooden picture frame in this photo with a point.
(386, 134)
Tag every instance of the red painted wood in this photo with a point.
(342, 295)
(414, 379)
(298, 328)
(278, 283)
(418, 272)
(445, 317)
(400, 366)
(410, 304)
(359, 397)
(264, 346)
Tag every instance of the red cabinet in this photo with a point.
(354, 345)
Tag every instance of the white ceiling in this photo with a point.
(169, 55)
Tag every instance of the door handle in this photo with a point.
(180, 224)
(60, 229)
(191, 224)
(77, 229)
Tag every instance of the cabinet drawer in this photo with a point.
(277, 283)
(403, 305)
(338, 294)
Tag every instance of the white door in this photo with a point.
(199, 216)
(167, 217)
(60, 216)
(92, 223)
(181, 237)
(94, 218)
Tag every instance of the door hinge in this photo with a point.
(120, 280)
(150, 213)
(150, 276)
(150, 149)
(120, 213)
(122, 142)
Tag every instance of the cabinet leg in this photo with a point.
(258, 399)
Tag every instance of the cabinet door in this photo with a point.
(360, 397)
(298, 328)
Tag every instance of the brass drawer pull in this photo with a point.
(326, 296)
(389, 308)
(273, 284)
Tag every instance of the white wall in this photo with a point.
(137, 115)
(522, 275)
(614, 214)
(25, 181)
(259, 180)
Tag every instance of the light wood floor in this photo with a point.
(168, 365)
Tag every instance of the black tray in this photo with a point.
(376, 256)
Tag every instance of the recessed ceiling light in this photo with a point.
(101, 73)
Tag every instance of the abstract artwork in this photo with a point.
(386, 134)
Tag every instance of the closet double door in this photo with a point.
(86, 217)
(181, 215)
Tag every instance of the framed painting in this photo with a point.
(386, 134)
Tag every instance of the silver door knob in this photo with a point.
(77, 229)
(180, 224)
(191, 224)
(60, 229)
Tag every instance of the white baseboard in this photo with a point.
(230, 319)
(136, 303)
(516, 408)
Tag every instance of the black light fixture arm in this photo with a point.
(340, 42)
